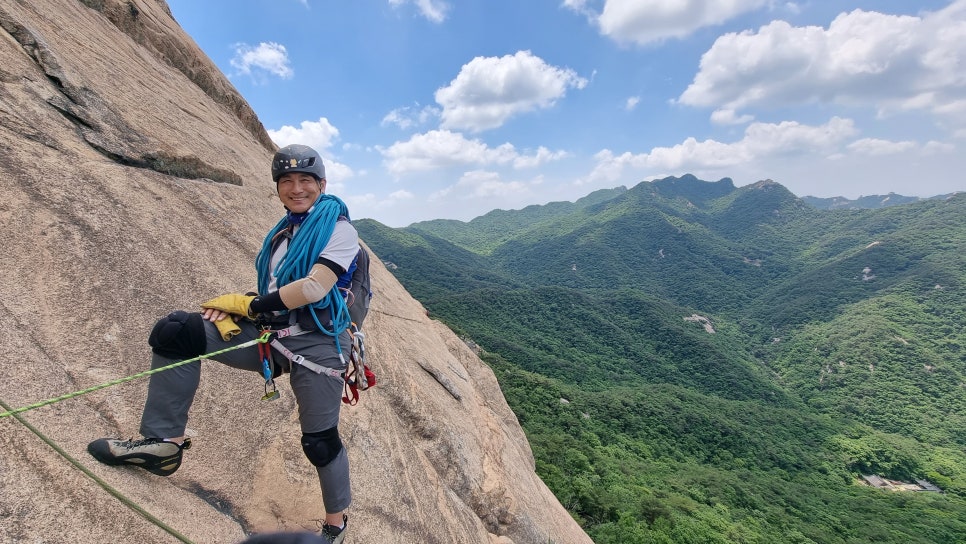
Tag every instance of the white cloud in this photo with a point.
(609, 168)
(576, 5)
(401, 194)
(476, 192)
(729, 117)
(955, 108)
(478, 184)
(438, 149)
(761, 142)
(433, 10)
(365, 204)
(319, 135)
(891, 62)
(876, 146)
(410, 116)
(271, 58)
(632, 103)
(648, 21)
(933, 147)
(542, 156)
(765, 140)
(490, 90)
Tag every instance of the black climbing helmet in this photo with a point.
(297, 158)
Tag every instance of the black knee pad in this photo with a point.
(322, 447)
(179, 335)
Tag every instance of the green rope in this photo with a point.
(260, 340)
(107, 487)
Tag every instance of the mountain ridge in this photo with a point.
(826, 342)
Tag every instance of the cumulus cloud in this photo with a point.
(647, 21)
(438, 149)
(264, 58)
(490, 90)
(319, 135)
(894, 62)
(441, 148)
(761, 141)
(632, 103)
(433, 10)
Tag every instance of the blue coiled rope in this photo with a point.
(304, 248)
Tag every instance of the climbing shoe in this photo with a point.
(333, 534)
(152, 454)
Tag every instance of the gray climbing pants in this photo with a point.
(319, 397)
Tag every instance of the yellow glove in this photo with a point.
(232, 303)
(227, 328)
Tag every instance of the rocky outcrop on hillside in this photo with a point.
(135, 182)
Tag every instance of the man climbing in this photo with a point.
(298, 266)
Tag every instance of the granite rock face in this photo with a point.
(135, 182)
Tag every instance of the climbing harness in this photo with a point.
(356, 377)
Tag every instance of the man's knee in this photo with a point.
(322, 447)
(179, 335)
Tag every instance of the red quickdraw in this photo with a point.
(353, 385)
(358, 376)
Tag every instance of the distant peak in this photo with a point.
(692, 188)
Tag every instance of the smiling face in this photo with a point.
(298, 191)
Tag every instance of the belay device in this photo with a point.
(265, 354)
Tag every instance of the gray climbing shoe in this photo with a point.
(152, 454)
(333, 534)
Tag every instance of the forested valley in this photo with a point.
(698, 363)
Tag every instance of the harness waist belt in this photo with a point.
(300, 360)
(294, 330)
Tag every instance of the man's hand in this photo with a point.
(222, 311)
(232, 303)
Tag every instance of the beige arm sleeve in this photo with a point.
(311, 288)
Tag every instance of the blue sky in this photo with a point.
(429, 109)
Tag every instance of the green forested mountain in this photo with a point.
(863, 202)
(694, 362)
